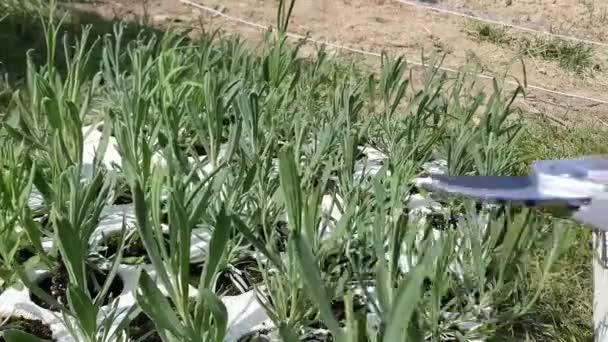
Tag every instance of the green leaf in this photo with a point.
(103, 142)
(101, 296)
(147, 236)
(217, 245)
(180, 242)
(41, 183)
(312, 278)
(211, 302)
(258, 243)
(157, 307)
(33, 233)
(287, 333)
(84, 309)
(290, 186)
(12, 335)
(71, 248)
(406, 300)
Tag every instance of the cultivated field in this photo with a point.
(171, 173)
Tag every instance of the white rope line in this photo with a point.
(375, 54)
(496, 22)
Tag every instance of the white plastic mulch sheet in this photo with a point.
(245, 313)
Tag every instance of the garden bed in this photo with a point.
(257, 194)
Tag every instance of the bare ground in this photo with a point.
(387, 25)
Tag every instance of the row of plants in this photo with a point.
(200, 191)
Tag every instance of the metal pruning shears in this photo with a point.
(580, 185)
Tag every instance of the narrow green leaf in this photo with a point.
(217, 245)
(71, 248)
(147, 235)
(258, 243)
(13, 335)
(84, 309)
(406, 300)
(212, 303)
(290, 186)
(114, 270)
(157, 307)
(312, 278)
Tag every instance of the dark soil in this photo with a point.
(56, 285)
(251, 276)
(134, 251)
(198, 149)
(33, 327)
(45, 222)
(225, 286)
(124, 197)
(281, 236)
(142, 325)
(196, 270)
(441, 222)
(23, 255)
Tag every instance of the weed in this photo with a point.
(488, 33)
(574, 57)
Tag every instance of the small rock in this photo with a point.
(508, 2)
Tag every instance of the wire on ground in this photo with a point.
(497, 22)
(375, 54)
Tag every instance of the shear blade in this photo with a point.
(498, 189)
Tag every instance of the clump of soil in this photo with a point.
(33, 327)
(142, 326)
(124, 197)
(134, 251)
(56, 285)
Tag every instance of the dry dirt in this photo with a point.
(399, 29)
